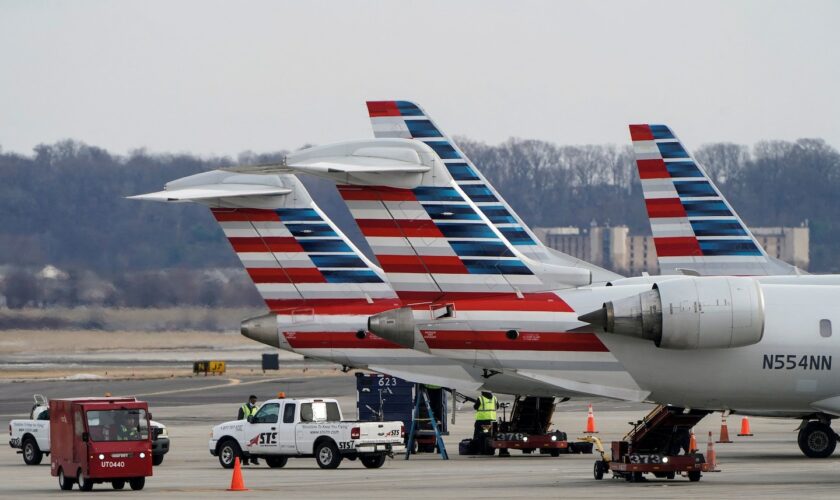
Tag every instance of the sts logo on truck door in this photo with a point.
(263, 438)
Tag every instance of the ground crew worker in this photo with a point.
(128, 430)
(485, 413)
(247, 410)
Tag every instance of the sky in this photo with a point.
(219, 78)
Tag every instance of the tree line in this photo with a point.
(64, 205)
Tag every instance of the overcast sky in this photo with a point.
(223, 77)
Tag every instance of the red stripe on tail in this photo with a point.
(382, 108)
(244, 215)
(652, 169)
(682, 246)
(664, 207)
(641, 133)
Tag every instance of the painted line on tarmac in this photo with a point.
(231, 382)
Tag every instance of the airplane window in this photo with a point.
(825, 328)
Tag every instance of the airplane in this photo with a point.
(319, 287)
(427, 225)
(443, 255)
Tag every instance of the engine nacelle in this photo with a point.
(689, 313)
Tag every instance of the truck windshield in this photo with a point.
(118, 425)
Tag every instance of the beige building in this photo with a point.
(615, 248)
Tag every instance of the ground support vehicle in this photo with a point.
(383, 397)
(300, 428)
(527, 430)
(654, 446)
(31, 437)
(98, 440)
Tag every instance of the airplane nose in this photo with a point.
(263, 329)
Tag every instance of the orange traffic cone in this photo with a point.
(236, 482)
(692, 443)
(745, 427)
(724, 430)
(711, 456)
(590, 422)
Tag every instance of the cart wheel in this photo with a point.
(64, 482)
(118, 484)
(694, 475)
(599, 470)
(85, 484)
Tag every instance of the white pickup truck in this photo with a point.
(284, 428)
(32, 436)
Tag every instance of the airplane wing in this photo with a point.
(586, 388)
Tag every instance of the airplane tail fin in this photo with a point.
(695, 229)
(407, 120)
(293, 253)
(432, 239)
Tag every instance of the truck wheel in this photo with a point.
(817, 440)
(64, 482)
(137, 483)
(554, 452)
(276, 462)
(228, 451)
(157, 459)
(373, 461)
(327, 455)
(694, 475)
(31, 452)
(118, 484)
(598, 470)
(85, 484)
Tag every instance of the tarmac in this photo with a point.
(769, 464)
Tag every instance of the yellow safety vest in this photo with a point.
(128, 433)
(247, 411)
(486, 409)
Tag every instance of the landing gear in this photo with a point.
(817, 440)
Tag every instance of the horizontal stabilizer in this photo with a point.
(212, 191)
(398, 163)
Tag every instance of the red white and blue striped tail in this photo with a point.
(407, 120)
(295, 255)
(694, 227)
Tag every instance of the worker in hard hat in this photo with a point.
(246, 411)
(485, 417)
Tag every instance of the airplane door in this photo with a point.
(262, 431)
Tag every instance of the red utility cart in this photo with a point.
(100, 440)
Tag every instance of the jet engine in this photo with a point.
(689, 313)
